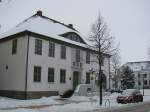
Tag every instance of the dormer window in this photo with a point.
(73, 36)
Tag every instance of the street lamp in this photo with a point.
(143, 84)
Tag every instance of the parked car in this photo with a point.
(115, 90)
(83, 89)
(130, 96)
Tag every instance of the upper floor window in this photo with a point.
(38, 46)
(51, 72)
(145, 75)
(63, 52)
(77, 55)
(51, 49)
(73, 36)
(37, 74)
(14, 46)
(88, 57)
(62, 76)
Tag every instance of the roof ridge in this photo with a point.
(45, 17)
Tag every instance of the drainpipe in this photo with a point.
(109, 71)
(26, 78)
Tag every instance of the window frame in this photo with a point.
(63, 52)
(62, 76)
(51, 52)
(38, 47)
(51, 75)
(37, 74)
(14, 46)
(87, 57)
(78, 55)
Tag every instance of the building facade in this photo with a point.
(141, 73)
(44, 57)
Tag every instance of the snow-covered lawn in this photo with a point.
(54, 104)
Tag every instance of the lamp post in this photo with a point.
(143, 85)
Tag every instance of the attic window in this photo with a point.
(73, 36)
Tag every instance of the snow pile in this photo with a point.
(146, 92)
(73, 104)
(73, 107)
(79, 98)
(12, 103)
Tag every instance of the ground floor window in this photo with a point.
(62, 76)
(37, 74)
(51, 75)
(145, 82)
(139, 82)
(87, 78)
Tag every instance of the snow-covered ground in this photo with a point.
(54, 104)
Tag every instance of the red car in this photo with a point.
(130, 96)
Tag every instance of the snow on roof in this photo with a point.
(45, 26)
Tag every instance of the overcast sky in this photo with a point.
(129, 20)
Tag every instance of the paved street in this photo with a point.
(141, 107)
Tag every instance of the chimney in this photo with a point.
(70, 25)
(39, 13)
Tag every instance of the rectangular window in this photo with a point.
(77, 55)
(51, 72)
(88, 57)
(87, 78)
(62, 76)
(51, 49)
(133, 75)
(37, 74)
(14, 46)
(145, 82)
(38, 46)
(145, 75)
(139, 82)
(63, 52)
(139, 76)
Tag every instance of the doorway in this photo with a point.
(76, 79)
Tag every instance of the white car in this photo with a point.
(83, 89)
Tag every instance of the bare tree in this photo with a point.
(102, 42)
(115, 66)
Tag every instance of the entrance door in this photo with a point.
(76, 80)
(104, 81)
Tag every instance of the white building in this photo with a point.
(141, 73)
(42, 57)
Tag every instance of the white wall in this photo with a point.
(45, 62)
(14, 77)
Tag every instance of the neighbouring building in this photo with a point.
(141, 73)
(42, 57)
